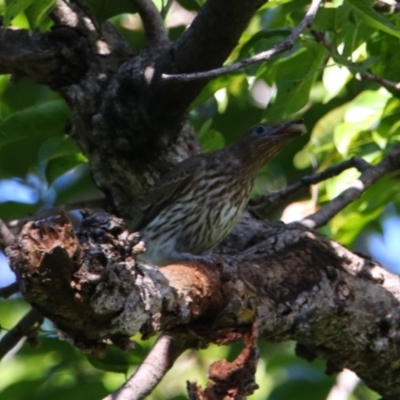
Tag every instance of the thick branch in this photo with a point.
(213, 34)
(63, 14)
(94, 204)
(205, 45)
(298, 285)
(368, 177)
(56, 58)
(154, 29)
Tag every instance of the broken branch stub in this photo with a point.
(89, 284)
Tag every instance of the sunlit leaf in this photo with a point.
(13, 8)
(364, 10)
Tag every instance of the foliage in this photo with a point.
(319, 80)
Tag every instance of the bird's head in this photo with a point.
(263, 141)
(273, 132)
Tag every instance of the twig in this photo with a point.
(23, 328)
(368, 177)
(265, 203)
(7, 291)
(366, 76)
(51, 212)
(160, 359)
(6, 237)
(345, 384)
(153, 23)
(263, 56)
(166, 8)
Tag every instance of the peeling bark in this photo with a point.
(295, 284)
(289, 281)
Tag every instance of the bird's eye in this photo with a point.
(260, 129)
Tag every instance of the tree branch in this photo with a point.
(263, 204)
(24, 327)
(368, 177)
(76, 14)
(153, 23)
(6, 237)
(9, 290)
(94, 204)
(166, 7)
(42, 56)
(263, 56)
(346, 382)
(153, 368)
(292, 281)
(63, 14)
(204, 45)
(366, 76)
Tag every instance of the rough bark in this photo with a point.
(131, 124)
(297, 285)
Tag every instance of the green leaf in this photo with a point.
(294, 78)
(105, 9)
(348, 224)
(13, 8)
(58, 146)
(267, 38)
(213, 87)
(325, 20)
(37, 11)
(48, 117)
(115, 360)
(363, 9)
(60, 165)
(212, 140)
(191, 5)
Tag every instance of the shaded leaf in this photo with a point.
(59, 165)
(47, 118)
(294, 78)
(105, 9)
(115, 360)
(37, 11)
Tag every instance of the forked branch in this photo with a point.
(263, 56)
(368, 177)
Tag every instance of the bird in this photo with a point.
(197, 204)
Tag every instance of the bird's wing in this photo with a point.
(167, 190)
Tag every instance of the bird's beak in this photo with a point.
(290, 129)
